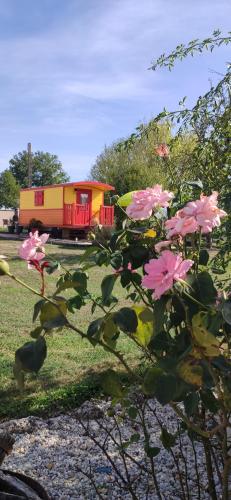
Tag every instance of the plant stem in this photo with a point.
(189, 424)
(209, 468)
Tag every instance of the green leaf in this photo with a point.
(139, 254)
(102, 257)
(116, 260)
(31, 356)
(161, 342)
(226, 311)
(151, 378)
(75, 302)
(125, 277)
(191, 373)
(37, 309)
(203, 337)
(159, 314)
(144, 331)
(151, 451)
(35, 334)
(209, 401)
(126, 320)
(52, 267)
(166, 388)
(78, 281)
(132, 412)
(107, 286)
(135, 438)
(207, 291)
(52, 316)
(126, 199)
(191, 404)
(95, 328)
(110, 331)
(114, 239)
(112, 385)
(203, 257)
(168, 440)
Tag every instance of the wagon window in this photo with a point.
(39, 198)
(84, 198)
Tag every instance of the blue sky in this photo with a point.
(74, 77)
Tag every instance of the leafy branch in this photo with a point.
(182, 51)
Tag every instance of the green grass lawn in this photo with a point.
(72, 369)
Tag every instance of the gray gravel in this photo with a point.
(54, 450)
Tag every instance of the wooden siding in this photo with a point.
(53, 199)
(49, 217)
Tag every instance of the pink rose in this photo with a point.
(162, 244)
(181, 225)
(32, 248)
(143, 202)
(206, 212)
(162, 272)
(203, 213)
(162, 150)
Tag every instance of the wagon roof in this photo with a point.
(87, 184)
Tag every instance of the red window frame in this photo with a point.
(38, 198)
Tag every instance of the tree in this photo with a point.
(138, 166)
(46, 169)
(208, 121)
(126, 172)
(9, 190)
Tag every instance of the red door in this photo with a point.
(83, 208)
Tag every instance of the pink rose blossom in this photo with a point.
(203, 213)
(162, 150)
(32, 248)
(181, 225)
(162, 272)
(206, 212)
(143, 202)
(162, 244)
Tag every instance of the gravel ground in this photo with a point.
(55, 450)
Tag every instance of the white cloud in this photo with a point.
(83, 80)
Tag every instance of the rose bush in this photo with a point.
(179, 316)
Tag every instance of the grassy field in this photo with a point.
(72, 369)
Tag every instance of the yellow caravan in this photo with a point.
(72, 207)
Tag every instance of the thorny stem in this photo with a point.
(90, 478)
(190, 425)
(197, 471)
(185, 464)
(140, 293)
(147, 440)
(209, 468)
(179, 472)
(123, 455)
(216, 465)
(103, 449)
(227, 465)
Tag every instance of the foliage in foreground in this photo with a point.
(179, 316)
